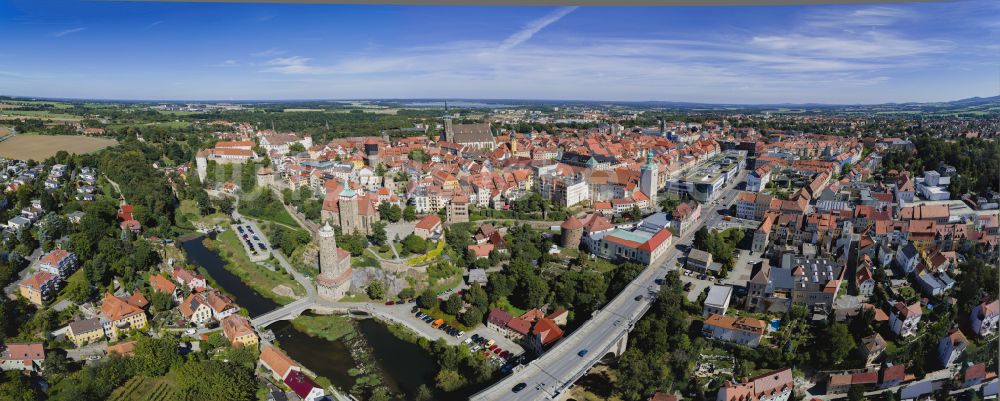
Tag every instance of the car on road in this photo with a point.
(687, 286)
(415, 309)
(638, 297)
(660, 281)
(519, 387)
(255, 238)
(582, 352)
(93, 357)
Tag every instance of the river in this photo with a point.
(404, 366)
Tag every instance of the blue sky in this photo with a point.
(832, 54)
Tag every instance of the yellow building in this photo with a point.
(239, 331)
(119, 315)
(38, 287)
(82, 332)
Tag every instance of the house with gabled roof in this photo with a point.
(24, 357)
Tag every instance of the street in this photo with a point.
(558, 368)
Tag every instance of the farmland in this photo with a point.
(144, 389)
(39, 147)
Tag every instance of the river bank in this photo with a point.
(262, 280)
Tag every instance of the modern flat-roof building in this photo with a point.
(717, 302)
(704, 182)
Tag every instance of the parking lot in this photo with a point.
(481, 340)
(253, 241)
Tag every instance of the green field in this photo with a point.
(256, 276)
(279, 215)
(328, 327)
(144, 389)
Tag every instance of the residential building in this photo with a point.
(800, 280)
(276, 362)
(304, 387)
(188, 278)
(984, 318)
(935, 284)
(238, 330)
(951, 347)
(162, 284)
(86, 331)
(119, 314)
(717, 301)
(38, 287)
(544, 333)
(872, 348)
(865, 281)
(698, 260)
(58, 262)
(903, 319)
(428, 226)
(771, 386)
(644, 245)
(740, 330)
(907, 257)
(24, 357)
(201, 307)
(457, 211)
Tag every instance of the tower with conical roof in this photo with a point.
(648, 178)
(572, 232)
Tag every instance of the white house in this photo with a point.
(904, 319)
(985, 317)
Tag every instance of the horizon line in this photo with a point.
(484, 99)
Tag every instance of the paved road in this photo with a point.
(557, 370)
(302, 279)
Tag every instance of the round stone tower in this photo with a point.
(327, 251)
(572, 233)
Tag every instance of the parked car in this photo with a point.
(415, 309)
(687, 286)
(390, 302)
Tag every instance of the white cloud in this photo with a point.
(533, 27)
(863, 17)
(67, 32)
(155, 23)
(274, 51)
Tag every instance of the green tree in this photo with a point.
(449, 380)
(453, 304)
(428, 299)
(471, 317)
(423, 393)
(415, 244)
(379, 236)
(476, 296)
(407, 293)
(161, 301)
(410, 213)
(835, 344)
(856, 393)
(376, 290)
